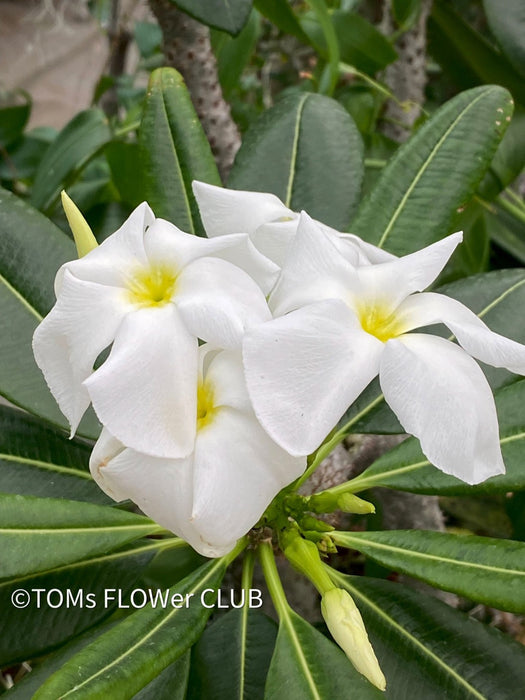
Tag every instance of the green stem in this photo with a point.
(327, 27)
(273, 580)
(375, 163)
(332, 443)
(515, 197)
(126, 129)
(511, 208)
(239, 547)
(346, 68)
(247, 570)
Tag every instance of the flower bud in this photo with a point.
(350, 503)
(85, 241)
(346, 626)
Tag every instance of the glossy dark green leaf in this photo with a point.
(429, 650)
(31, 251)
(509, 160)
(308, 151)
(233, 53)
(29, 684)
(38, 460)
(406, 468)
(281, 14)
(74, 146)
(13, 118)
(170, 684)
(307, 665)
(68, 599)
(463, 46)
(37, 534)
(231, 659)
(507, 23)
(23, 157)
(228, 15)
(126, 172)
(174, 151)
(507, 231)
(484, 569)
(360, 43)
(435, 173)
(122, 661)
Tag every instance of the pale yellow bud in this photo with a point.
(346, 626)
(85, 241)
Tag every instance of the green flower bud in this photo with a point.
(346, 626)
(85, 241)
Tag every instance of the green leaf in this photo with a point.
(29, 684)
(484, 569)
(506, 231)
(37, 534)
(122, 661)
(74, 146)
(281, 14)
(31, 251)
(126, 172)
(509, 160)
(429, 650)
(228, 15)
(174, 151)
(406, 468)
(234, 53)
(13, 118)
(307, 151)
(360, 44)
(435, 173)
(170, 684)
(463, 46)
(307, 665)
(232, 657)
(507, 23)
(24, 157)
(406, 12)
(38, 460)
(68, 599)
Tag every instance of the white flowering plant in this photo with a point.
(206, 358)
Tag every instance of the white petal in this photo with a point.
(314, 270)
(275, 238)
(237, 472)
(110, 262)
(165, 244)
(369, 254)
(226, 211)
(225, 373)
(145, 392)
(218, 301)
(66, 344)
(304, 369)
(472, 334)
(393, 281)
(162, 488)
(441, 396)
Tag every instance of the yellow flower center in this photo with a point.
(380, 321)
(205, 405)
(152, 286)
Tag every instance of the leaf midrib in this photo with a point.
(426, 164)
(201, 582)
(421, 555)
(72, 471)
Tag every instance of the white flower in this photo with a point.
(344, 325)
(218, 492)
(346, 626)
(150, 292)
(270, 224)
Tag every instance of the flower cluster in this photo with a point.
(216, 365)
